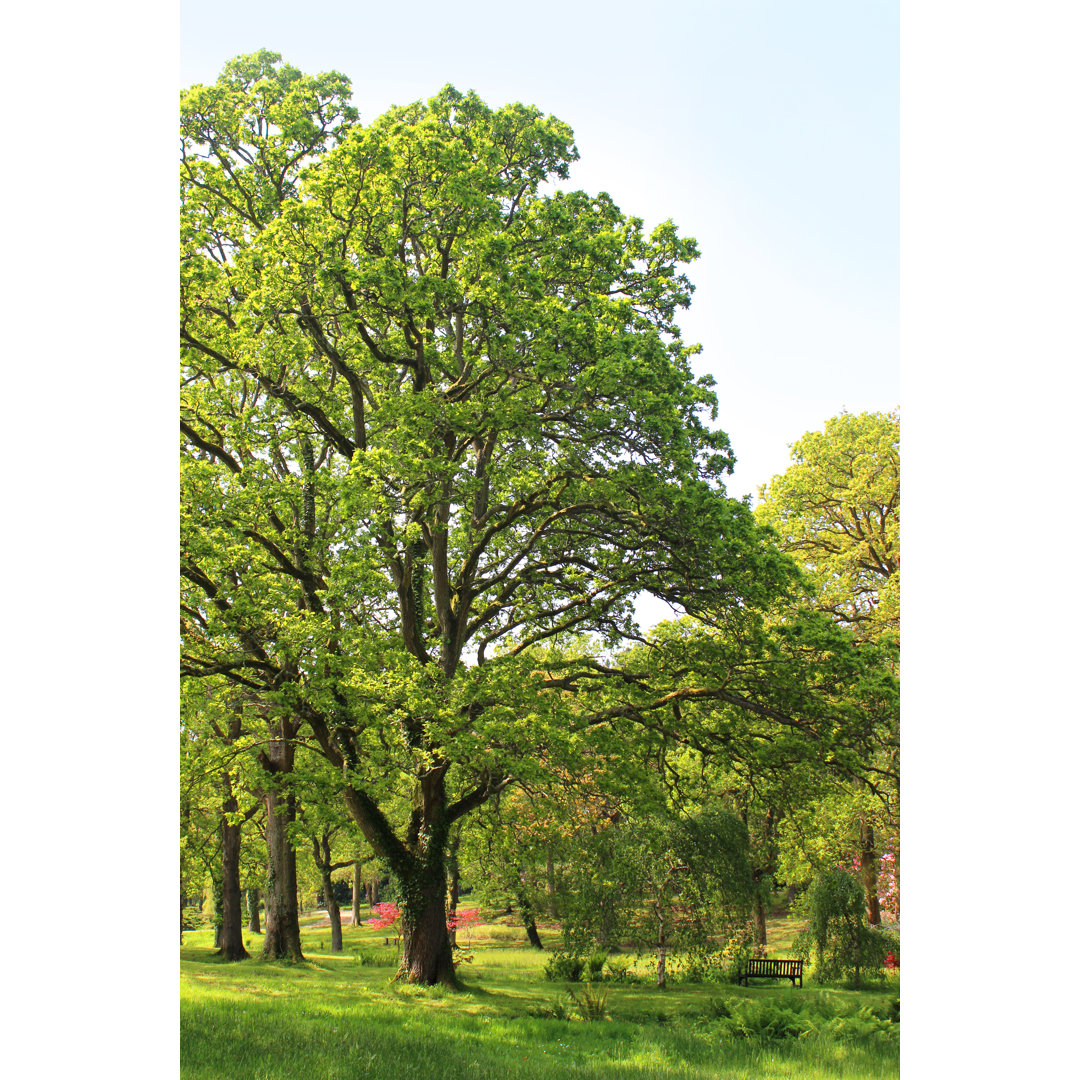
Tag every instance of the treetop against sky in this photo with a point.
(768, 131)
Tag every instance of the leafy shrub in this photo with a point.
(703, 967)
(559, 1008)
(594, 967)
(564, 966)
(737, 950)
(193, 919)
(619, 971)
(591, 1004)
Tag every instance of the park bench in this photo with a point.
(770, 969)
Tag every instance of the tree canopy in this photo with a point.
(837, 508)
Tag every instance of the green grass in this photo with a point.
(337, 1018)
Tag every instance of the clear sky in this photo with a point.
(768, 130)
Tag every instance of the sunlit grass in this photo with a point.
(341, 1015)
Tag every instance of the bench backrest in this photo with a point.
(774, 967)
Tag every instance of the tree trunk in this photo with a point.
(217, 885)
(551, 883)
(253, 911)
(531, 931)
(357, 888)
(763, 879)
(661, 955)
(760, 931)
(455, 887)
(232, 914)
(527, 917)
(373, 893)
(282, 939)
(334, 911)
(868, 861)
(426, 955)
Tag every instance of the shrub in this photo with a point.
(558, 1009)
(737, 950)
(193, 919)
(618, 971)
(594, 967)
(837, 934)
(564, 966)
(592, 1004)
(703, 967)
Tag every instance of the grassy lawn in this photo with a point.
(339, 1017)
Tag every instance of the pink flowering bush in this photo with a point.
(888, 886)
(463, 919)
(387, 917)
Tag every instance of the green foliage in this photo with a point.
(439, 429)
(619, 970)
(640, 875)
(837, 508)
(590, 1002)
(559, 1008)
(562, 966)
(765, 1021)
(837, 933)
(594, 966)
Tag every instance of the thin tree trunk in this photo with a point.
(253, 911)
(551, 883)
(530, 930)
(217, 885)
(868, 860)
(326, 868)
(232, 921)
(334, 911)
(455, 888)
(760, 930)
(762, 875)
(527, 917)
(661, 954)
(357, 888)
(282, 939)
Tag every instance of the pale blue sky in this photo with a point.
(767, 130)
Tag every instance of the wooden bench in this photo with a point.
(770, 969)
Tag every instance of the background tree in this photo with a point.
(660, 882)
(218, 754)
(837, 932)
(837, 509)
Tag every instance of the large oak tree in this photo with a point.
(437, 416)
